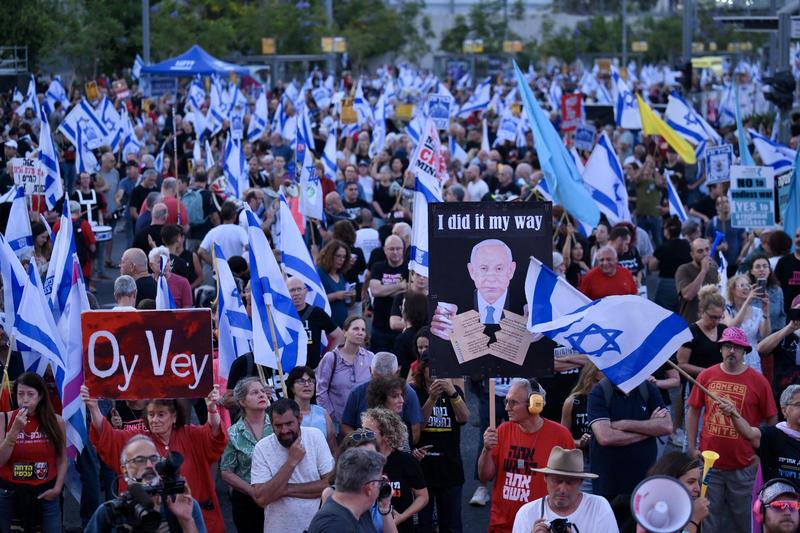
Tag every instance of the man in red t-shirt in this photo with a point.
(607, 278)
(730, 485)
(513, 450)
(169, 194)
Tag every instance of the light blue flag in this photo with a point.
(681, 117)
(235, 329)
(744, 152)
(627, 337)
(604, 178)
(563, 180)
(18, 230)
(773, 154)
(270, 296)
(48, 157)
(36, 328)
(164, 298)
(675, 205)
(791, 215)
(58, 281)
(297, 259)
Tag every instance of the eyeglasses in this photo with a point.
(714, 317)
(361, 435)
(785, 505)
(305, 381)
(141, 460)
(731, 346)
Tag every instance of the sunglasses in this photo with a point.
(785, 505)
(359, 436)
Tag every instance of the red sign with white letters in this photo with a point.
(571, 115)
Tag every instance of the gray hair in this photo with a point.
(152, 199)
(607, 248)
(148, 159)
(74, 207)
(527, 384)
(241, 388)
(156, 253)
(490, 242)
(124, 286)
(356, 467)
(689, 226)
(123, 455)
(169, 184)
(788, 393)
(384, 363)
(149, 172)
(160, 212)
(458, 191)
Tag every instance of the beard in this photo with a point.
(287, 440)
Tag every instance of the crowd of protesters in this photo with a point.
(367, 439)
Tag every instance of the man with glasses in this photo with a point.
(730, 487)
(690, 277)
(138, 461)
(315, 320)
(388, 278)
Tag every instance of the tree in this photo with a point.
(453, 38)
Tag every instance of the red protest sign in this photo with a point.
(148, 354)
(571, 116)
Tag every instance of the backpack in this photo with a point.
(193, 201)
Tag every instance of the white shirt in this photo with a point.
(476, 190)
(497, 309)
(593, 515)
(231, 238)
(291, 514)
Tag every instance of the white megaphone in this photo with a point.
(661, 504)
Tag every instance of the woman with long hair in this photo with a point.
(42, 247)
(761, 269)
(741, 313)
(301, 385)
(332, 263)
(415, 316)
(165, 422)
(344, 231)
(344, 367)
(689, 471)
(574, 415)
(253, 399)
(33, 458)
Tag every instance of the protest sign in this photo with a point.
(571, 114)
(583, 138)
(132, 355)
(438, 109)
(478, 257)
(718, 163)
(159, 86)
(784, 185)
(30, 173)
(752, 197)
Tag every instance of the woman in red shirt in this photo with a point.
(33, 458)
(201, 446)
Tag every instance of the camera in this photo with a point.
(385, 491)
(561, 525)
(172, 482)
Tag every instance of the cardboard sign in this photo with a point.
(752, 197)
(583, 138)
(571, 115)
(438, 109)
(718, 163)
(29, 173)
(92, 93)
(130, 355)
(348, 115)
(120, 88)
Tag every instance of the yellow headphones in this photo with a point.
(535, 399)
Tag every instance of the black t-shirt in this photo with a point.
(335, 518)
(705, 352)
(631, 260)
(385, 200)
(779, 454)
(138, 196)
(353, 209)
(315, 321)
(785, 367)
(404, 350)
(145, 289)
(672, 254)
(382, 306)
(707, 206)
(558, 386)
(788, 273)
(404, 473)
(442, 466)
(183, 265)
(140, 240)
(351, 276)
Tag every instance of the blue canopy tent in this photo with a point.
(191, 63)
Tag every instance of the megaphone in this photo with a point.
(661, 504)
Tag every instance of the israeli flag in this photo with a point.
(30, 101)
(362, 107)
(84, 117)
(430, 175)
(555, 93)
(14, 280)
(727, 106)
(379, 131)
(773, 154)
(55, 93)
(159, 162)
(272, 309)
(234, 166)
(35, 328)
(217, 112)
(111, 119)
(578, 161)
(414, 127)
(48, 157)
(305, 128)
(479, 100)
(297, 259)
(58, 281)
(485, 146)
(604, 178)
(681, 117)
(259, 119)
(136, 70)
(627, 337)
(329, 156)
(235, 329)
(626, 110)
(456, 151)
(675, 205)
(18, 231)
(164, 298)
(17, 96)
(196, 96)
(130, 143)
(209, 156)
(311, 200)
(85, 161)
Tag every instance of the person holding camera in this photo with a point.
(565, 509)
(180, 513)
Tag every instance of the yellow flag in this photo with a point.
(653, 125)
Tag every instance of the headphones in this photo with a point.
(536, 399)
(758, 505)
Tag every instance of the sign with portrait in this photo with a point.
(479, 255)
(718, 163)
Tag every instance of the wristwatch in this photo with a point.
(453, 396)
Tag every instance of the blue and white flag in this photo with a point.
(271, 300)
(554, 94)
(84, 117)
(235, 330)
(159, 162)
(85, 160)
(329, 156)
(727, 106)
(675, 204)
(136, 70)
(479, 100)
(485, 146)
(626, 110)
(209, 156)
(48, 157)
(790, 215)
(627, 337)
(305, 131)
(196, 96)
(773, 154)
(164, 298)
(430, 171)
(604, 178)
(18, 231)
(130, 142)
(30, 101)
(681, 117)
(55, 93)
(379, 130)
(36, 328)
(362, 107)
(234, 166)
(14, 279)
(217, 112)
(311, 202)
(259, 119)
(297, 259)
(457, 152)
(111, 119)
(58, 281)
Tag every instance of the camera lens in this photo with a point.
(385, 492)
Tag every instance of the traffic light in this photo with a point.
(782, 86)
(686, 77)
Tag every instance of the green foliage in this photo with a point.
(453, 38)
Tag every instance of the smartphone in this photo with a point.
(761, 287)
(426, 448)
(793, 314)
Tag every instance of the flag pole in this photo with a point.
(492, 417)
(694, 381)
(175, 160)
(277, 352)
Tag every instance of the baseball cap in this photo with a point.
(11, 143)
(772, 491)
